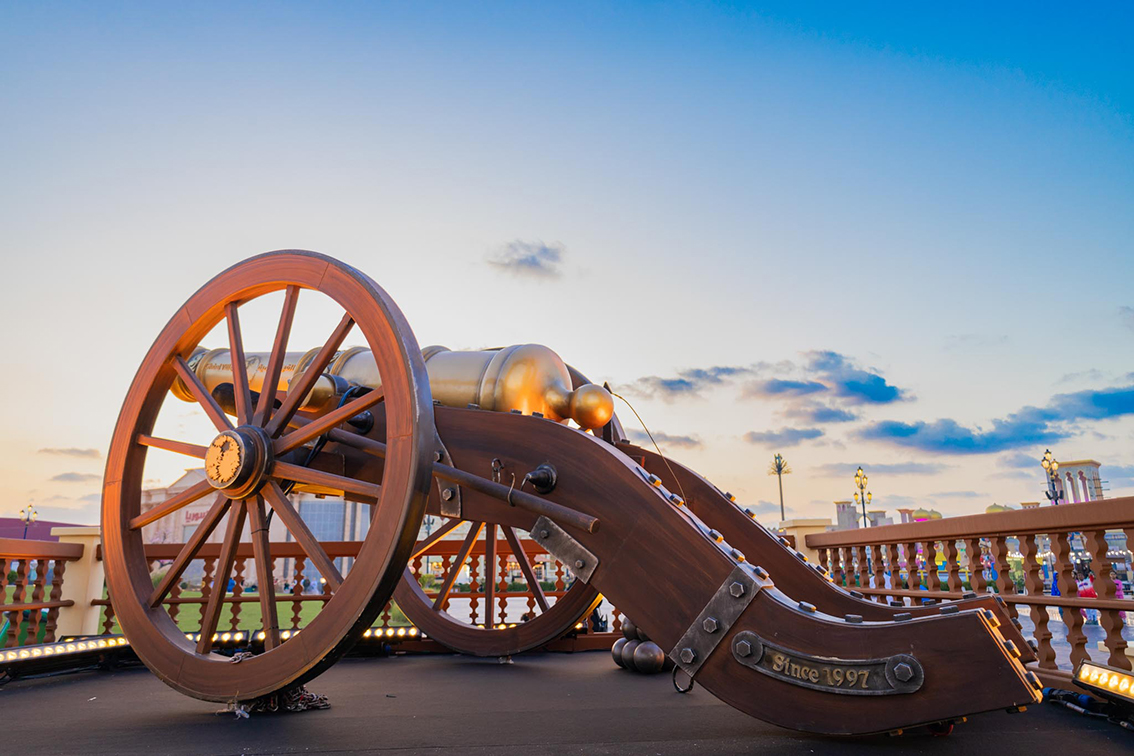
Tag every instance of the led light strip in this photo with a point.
(1112, 682)
(62, 649)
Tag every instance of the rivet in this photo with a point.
(687, 656)
(473, 405)
(950, 609)
(854, 619)
(736, 589)
(902, 616)
(579, 564)
(761, 572)
(807, 607)
(436, 456)
(447, 494)
(544, 534)
(743, 648)
(710, 625)
(903, 672)
(537, 414)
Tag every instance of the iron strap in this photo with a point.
(714, 621)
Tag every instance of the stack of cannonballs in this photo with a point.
(638, 653)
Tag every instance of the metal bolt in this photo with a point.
(710, 624)
(544, 534)
(436, 456)
(447, 494)
(579, 564)
(744, 648)
(903, 672)
(736, 589)
(687, 656)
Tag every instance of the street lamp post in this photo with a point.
(28, 515)
(1051, 467)
(862, 495)
(780, 468)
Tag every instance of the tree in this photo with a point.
(780, 468)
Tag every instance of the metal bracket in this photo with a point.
(448, 493)
(713, 623)
(566, 549)
(888, 676)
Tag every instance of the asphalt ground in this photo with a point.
(435, 704)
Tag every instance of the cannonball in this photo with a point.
(642, 635)
(616, 651)
(628, 654)
(649, 658)
(629, 629)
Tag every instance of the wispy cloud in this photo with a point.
(1029, 426)
(957, 495)
(845, 469)
(819, 414)
(665, 439)
(76, 477)
(763, 507)
(690, 383)
(784, 437)
(83, 453)
(529, 259)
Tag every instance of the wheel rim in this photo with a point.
(254, 482)
(497, 636)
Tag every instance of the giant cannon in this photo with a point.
(495, 449)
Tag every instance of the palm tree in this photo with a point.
(779, 468)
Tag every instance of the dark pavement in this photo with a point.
(542, 704)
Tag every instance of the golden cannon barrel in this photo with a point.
(527, 378)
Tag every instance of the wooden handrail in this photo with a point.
(18, 548)
(1108, 514)
(334, 549)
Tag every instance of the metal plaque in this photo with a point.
(566, 549)
(890, 676)
(714, 621)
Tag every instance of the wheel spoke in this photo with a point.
(458, 563)
(190, 549)
(172, 504)
(326, 422)
(276, 360)
(180, 447)
(490, 575)
(287, 471)
(525, 566)
(297, 393)
(265, 584)
(211, 616)
(203, 397)
(302, 534)
(437, 535)
(239, 365)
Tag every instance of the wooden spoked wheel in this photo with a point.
(244, 475)
(502, 628)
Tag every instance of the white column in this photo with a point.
(83, 582)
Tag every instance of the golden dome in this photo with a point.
(994, 508)
(921, 514)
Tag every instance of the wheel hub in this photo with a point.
(237, 461)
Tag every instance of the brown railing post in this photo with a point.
(1064, 577)
(1109, 619)
(1033, 582)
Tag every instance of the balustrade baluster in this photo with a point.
(297, 593)
(823, 560)
(36, 598)
(386, 614)
(206, 586)
(932, 578)
(1110, 619)
(837, 570)
(952, 565)
(616, 620)
(998, 547)
(16, 618)
(894, 564)
(57, 570)
(973, 554)
(173, 607)
(913, 570)
(1033, 582)
(1064, 579)
(879, 571)
(237, 590)
(446, 565)
(474, 587)
(502, 600)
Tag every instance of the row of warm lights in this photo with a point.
(390, 632)
(60, 649)
(1110, 680)
(501, 626)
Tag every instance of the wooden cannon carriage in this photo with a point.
(738, 612)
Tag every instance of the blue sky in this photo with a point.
(893, 236)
